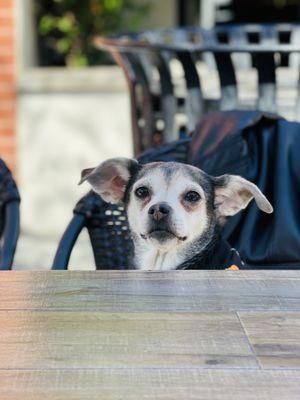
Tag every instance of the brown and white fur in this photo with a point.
(174, 210)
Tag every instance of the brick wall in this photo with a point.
(7, 84)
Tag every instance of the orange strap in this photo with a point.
(232, 268)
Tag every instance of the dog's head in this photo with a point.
(169, 203)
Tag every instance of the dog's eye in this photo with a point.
(192, 196)
(142, 192)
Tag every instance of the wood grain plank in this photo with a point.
(148, 384)
(275, 338)
(136, 291)
(38, 340)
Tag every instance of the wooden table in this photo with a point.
(150, 335)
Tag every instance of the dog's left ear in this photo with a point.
(110, 178)
(233, 193)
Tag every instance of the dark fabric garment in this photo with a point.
(219, 255)
(264, 149)
(175, 151)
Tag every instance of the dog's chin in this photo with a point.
(162, 236)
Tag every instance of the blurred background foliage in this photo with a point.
(66, 28)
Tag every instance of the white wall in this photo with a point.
(59, 134)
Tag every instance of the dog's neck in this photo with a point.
(147, 258)
(214, 256)
(203, 253)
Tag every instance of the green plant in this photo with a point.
(67, 26)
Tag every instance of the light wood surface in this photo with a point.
(150, 335)
(132, 291)
(166, 384)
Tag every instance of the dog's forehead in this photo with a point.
(174, 170)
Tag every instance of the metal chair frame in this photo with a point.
(155, 105)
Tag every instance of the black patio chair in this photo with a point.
(10, 217)
(161, 100)
(107, 223)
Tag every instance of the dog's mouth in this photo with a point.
(162, 234)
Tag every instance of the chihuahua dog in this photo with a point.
(175, 211)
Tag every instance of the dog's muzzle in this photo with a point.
(159, 227)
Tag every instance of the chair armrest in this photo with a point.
(65, 247)
(10, 234)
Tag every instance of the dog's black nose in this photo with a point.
(159, 211)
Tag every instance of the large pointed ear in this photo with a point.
(110, 178)
(233, 193)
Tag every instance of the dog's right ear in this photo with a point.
(233, 193)
(110, 178)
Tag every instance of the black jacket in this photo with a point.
(265, 149)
